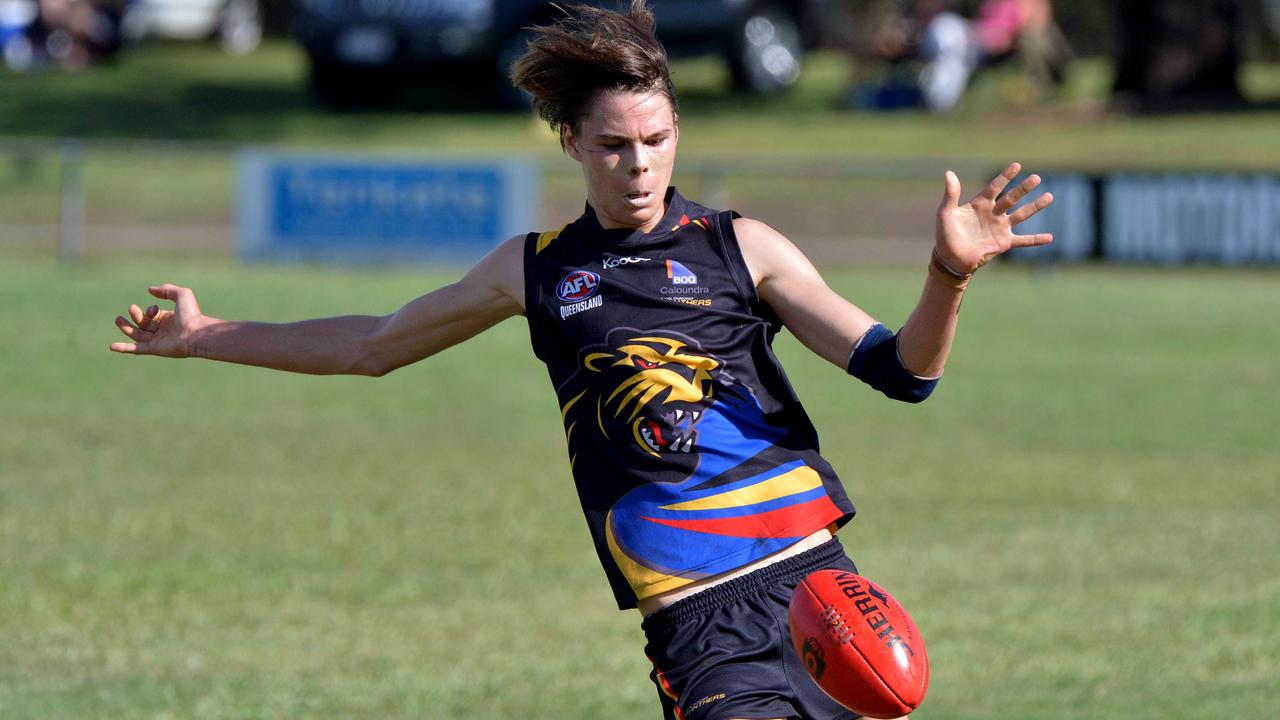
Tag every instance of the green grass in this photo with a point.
(1082, 520)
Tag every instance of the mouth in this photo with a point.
(638, 197)
(673, 432)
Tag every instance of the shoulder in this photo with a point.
(753, 231)
(502, 270)
(510, 253)
(766, 251)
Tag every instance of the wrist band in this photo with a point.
(876, 362)
(946, 275)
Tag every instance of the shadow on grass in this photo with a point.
(198, 111)
(254, 110)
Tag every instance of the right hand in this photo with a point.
(167, 333)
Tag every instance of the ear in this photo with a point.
(570, 142)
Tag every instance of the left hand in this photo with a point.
(970, 235)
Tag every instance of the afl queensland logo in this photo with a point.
(577, 286)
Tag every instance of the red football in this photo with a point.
(858, 644)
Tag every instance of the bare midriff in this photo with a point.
(651, 605)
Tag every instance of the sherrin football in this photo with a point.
(858, 644)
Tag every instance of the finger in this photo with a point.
(951, 190)
(1020, 241)
(130, 331)
(150, 316)
(144, 319)
(1030, 209)
(133, 348)
(124, 324)
(1001, 181)
(1011, 198)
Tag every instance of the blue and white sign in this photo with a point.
(1160, 218)
(295, 207)
(1175, 219)
(1070, 218)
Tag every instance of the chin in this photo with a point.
(635, 217)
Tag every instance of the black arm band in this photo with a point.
(875, 361)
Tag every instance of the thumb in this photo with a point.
(165, 292)
(177, 294)
(951, 191)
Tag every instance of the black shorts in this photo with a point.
(726, 652)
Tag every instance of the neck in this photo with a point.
(609, 224)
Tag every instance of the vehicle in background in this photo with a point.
(362, 51)
(237, 24)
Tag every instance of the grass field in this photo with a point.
(1083, 520)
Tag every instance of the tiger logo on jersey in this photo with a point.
(737, 493)
(654, 390)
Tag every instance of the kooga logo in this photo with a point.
(614, 262)
(680, 275)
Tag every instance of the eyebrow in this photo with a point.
(650, 136)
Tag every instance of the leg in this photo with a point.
(726, 652)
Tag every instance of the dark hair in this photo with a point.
(587, 52)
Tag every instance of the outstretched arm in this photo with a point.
(490, 292)
(820, 318)
(968, 236)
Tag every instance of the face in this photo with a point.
(627, 147)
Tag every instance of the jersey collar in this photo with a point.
(626, 237)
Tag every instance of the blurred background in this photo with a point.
(121, 123)
(1082, 520)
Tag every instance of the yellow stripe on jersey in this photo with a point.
(600, 420)
(546, 238)
(564, 412)
(802, 479)
(645, 581)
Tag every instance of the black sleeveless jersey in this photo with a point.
(691, 454)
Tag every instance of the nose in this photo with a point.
(639, 162)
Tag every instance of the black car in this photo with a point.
(361, 51)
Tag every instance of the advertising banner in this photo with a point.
(304, 208)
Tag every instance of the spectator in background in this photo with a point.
(1025, 29)
(77, 33)
(950, 51)
(923, 51)
(17, 17)
(931, 51)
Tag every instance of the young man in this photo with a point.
(697, 469)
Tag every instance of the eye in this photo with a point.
(612, 146)
(641, 362)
